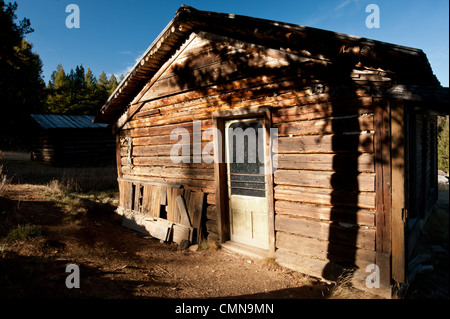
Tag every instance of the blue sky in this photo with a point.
(113, 34)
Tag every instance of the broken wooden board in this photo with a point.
(172, 211)
(146, 199)
(159, 228)
(195, 209)
(182, 210)
(181, 232)
(155, 201)
(163, 196)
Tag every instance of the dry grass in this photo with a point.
(343, 288)
(74, 190)
(208, 244)
(270, 263)
(17, 168)
(3, 180)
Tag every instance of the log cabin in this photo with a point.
(344, 128)
(71, 140)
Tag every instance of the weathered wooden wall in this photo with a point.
(74, 147)
(422, 168)
(324, 186)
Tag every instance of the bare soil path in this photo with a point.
(117, 263)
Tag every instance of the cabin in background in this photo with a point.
(71, 140)
(348, 177)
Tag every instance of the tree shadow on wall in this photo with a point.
(237, 74)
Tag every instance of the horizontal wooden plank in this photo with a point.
(206, 186)
(325, 196)
(311, 266)
(358, 106)
(353, 237)
(332, 162)
(221, 93)
(177, 161)
(166, 130)
(170, 172)
(142, 149)
(312, 247)
(202, 107)
(326, 143)
(327, 126)
(209, 69)
(326, 179)
(352, 215)
(147, 150)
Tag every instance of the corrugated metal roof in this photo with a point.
(49, 121)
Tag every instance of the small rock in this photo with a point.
(183, 245)
(193, 248)
(249, 261)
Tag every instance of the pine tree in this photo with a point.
(91, 98)
(102, 86)
(58, 86)
(90, 79)
(21, 83)
(112, 84)
(78, 92)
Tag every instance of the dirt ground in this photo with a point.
(114, 262)
(117, 263)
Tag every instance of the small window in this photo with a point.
(245, 158)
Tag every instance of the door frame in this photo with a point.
(220, 169)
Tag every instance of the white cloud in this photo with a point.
(342, 5)
(128, 65)
(345, 3)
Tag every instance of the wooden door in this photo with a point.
(246, 182)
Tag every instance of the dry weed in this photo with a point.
(270, 263)
(343, 288)
(4, 180)
(208, 244)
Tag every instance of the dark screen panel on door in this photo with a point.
(246, 164)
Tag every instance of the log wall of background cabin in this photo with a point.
(313, 127)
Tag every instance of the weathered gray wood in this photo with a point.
(315, 248)
(365, 237)
(324, 196)
(344, 214)
(325, 179)
(184, 216)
